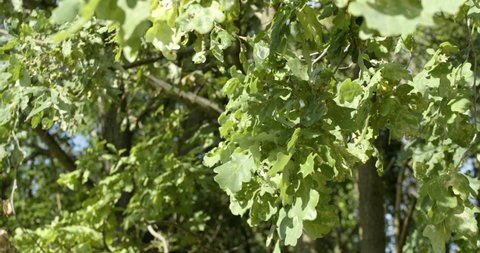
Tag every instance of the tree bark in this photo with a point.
(5, 245)
(372, 211)
(372, 200)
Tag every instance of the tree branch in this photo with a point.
(55, 150)
(34, 154)
(141, 62)
(159, 237)
(181, 52)
(403, 235)
(188, 97)
(4, 32)
(324, 52)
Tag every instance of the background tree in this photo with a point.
(249, 126)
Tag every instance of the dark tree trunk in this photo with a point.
(372, 212)
(111, 123)
(371, 202)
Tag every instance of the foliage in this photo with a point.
(308, 87)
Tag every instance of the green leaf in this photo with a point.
(446, 6)
(280, 163)
(310, 24)
(70, 180)
(163, 37)
(298, 69)
(44, 105)
(349, 93)
(230, 86)
(263, 208)
(219, 42)
(307, 167)
(406, 13)
(211, 158)
(395, 72)
(277, 248)
(201, 19)
(261, 51)
(325, 221)
(293, 140)
(231, 175)
(136, 16)
(86, 13)
(464, 222)
(279, 28)
(460, 105)
(410, 14)
(438, 237)
(66, 11)
(389, 105)
(448, 48)
(305, 205)
(289, 228)
(3, 151)
(438, 191)
(341, 3)
(9, 45)
(17, 5)
(84, 231)
(108, 9)
(67, 48)
(199, 57)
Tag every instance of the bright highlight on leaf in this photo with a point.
(231, 175)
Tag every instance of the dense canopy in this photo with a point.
(239, 126)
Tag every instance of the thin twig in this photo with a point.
(346, 67)
(186, 231)
(12, 193)
(406, 223)
(142, 62)
(159, 237)
(339, 63)
(324, 52)
(398, 201)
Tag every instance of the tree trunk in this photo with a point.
(111, 122)
(5, 244)
(372, 201)
(372, 212)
